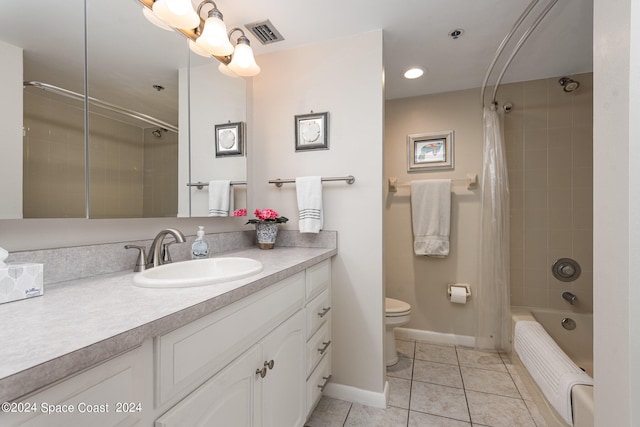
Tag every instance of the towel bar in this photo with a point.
(471, 181)
(200, 185)
(350, 180)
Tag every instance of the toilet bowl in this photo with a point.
(396, 313)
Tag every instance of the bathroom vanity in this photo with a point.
(252, 352)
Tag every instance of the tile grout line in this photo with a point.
(464, 389)
(413, 366)
(519, 392)
(344, 423)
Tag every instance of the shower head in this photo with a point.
(158, 132)
(568, 84)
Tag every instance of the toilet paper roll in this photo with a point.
(458, 294)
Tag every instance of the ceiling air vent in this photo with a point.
(265, 32)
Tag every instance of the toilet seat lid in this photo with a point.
(394, 306)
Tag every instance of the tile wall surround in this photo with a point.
(549, 144)
(63, 264)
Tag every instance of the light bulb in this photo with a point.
(155, 19)
(177, 13)
(214, 37)
(243, 62)
(414, 73)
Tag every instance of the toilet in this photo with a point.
(396, 313)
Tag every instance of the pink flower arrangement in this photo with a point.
(267, 215)
(240, 212)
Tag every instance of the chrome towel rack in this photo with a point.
(350, 180)
(200, 185)
(471, 181)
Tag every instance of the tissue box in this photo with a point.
(20, 281)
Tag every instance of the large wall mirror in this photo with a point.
(150, 117)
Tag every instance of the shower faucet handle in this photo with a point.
(573, 300)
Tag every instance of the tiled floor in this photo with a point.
(439, 385)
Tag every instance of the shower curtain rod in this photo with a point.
(516, 49)
(103, 104)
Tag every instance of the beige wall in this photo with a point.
(422, 281)
(549, 141)
(294, 82)
(160, 181)
(548, 138)
(129, 177)
(54, 178)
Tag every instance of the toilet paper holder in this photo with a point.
(458, 285)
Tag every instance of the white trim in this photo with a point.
(357, 395)
(435, 337)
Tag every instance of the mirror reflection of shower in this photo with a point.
(158, 132)
(568, 84)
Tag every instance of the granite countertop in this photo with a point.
(81, 323)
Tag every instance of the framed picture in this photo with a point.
(312, 132)
(230, 139)
(430, 151)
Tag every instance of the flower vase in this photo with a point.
(266, 233)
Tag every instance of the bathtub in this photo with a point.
(577, 344)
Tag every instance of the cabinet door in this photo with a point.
(232, 398)
(284, 385)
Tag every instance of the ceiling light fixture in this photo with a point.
(177, 13)
(213, 36)
(207, 37)
(243, 62)
(413, 73)
(155, 19)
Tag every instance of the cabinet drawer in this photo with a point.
(318, 311)
(317, 381)
(189, 355)
(318, 278)
(318, 346)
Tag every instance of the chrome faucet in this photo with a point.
(155, 257)
(573, 300)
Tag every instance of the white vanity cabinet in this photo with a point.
(318, 313)
(260, 361)
(262, 384)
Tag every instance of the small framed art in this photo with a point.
(230, 139)
(430, 151)
(312, 131)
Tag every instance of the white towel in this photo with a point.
(549, 366)
(219, 197)
(309, 193)
(431, 216)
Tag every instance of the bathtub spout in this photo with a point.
(573, 300)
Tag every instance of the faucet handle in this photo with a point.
(141, 261)
(166, 255)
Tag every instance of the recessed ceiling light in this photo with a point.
(413, 73)
(455, 34)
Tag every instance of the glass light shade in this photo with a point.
(214, 37)
(155, 19)
(198, 50)
(243, 62)
(177, 13)
(226, 71)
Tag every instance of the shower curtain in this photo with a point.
(493, 302)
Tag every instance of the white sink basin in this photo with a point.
(197, 272)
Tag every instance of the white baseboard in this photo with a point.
(358, 395)
(435, 337)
